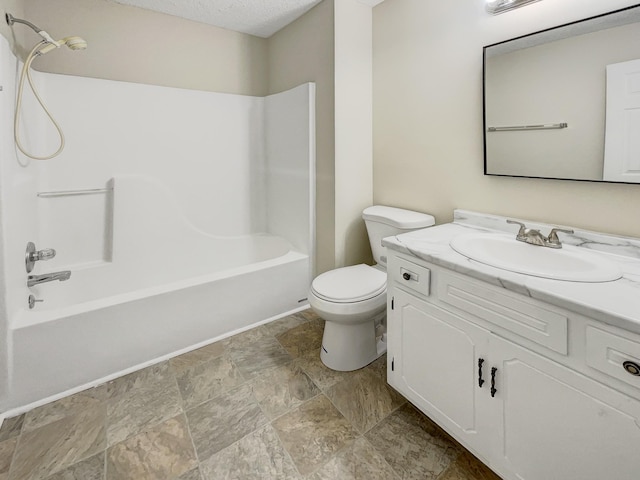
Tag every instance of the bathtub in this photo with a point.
(74, 347)
(166, 288)
(197, 222)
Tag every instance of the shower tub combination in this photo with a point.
(183, 216)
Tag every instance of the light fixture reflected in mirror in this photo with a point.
(500, 6)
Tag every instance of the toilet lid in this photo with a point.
(350, 284)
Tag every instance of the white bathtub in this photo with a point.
(66, 348)
(167, 287)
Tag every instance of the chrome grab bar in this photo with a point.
(69, 193)
(548, 126)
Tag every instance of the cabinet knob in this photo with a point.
(406, 276)
(632, 367)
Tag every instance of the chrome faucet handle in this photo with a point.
(553, 241)
(523, 228)
(32, 255)
(44, 254)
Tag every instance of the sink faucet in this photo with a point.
(48, 277)
(534, 237)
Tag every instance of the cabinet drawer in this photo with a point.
(508, 311)
(412, 276)
(607, 353)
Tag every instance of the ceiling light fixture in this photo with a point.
(500, 6)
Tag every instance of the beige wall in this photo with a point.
(136, 45)
(428, 152)
(304, 52)
(353, 126)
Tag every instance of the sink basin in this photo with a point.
(567, 263)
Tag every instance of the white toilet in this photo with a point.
(352, 300)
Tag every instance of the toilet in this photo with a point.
(353, 300)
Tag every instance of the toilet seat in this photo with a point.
(353, 284)
(350, 295)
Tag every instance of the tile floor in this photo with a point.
(259, 405)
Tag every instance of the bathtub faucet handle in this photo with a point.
(32, 255)
(44, 254)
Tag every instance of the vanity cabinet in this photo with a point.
(509, 376)
(432, 354)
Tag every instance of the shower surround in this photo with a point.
(201, 225)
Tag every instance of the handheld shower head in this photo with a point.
(74, 43)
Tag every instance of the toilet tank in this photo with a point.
(384, 221)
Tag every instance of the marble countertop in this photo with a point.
(616, 303)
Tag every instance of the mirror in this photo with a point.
(564, 103)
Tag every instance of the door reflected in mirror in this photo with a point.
(564, 103)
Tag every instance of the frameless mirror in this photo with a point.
(564, 103)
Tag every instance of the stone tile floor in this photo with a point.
(259, 405)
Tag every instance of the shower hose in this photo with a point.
(26, 72)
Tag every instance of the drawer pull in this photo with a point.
(406, 276)
(493, 381)
(480, 380)
(632, 367)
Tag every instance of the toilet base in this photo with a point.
(347, 347)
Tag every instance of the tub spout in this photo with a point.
(33, 280)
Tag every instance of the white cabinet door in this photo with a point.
(557, 424)
(433, 359)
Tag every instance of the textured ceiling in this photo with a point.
(256, 17)
(262, 18)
